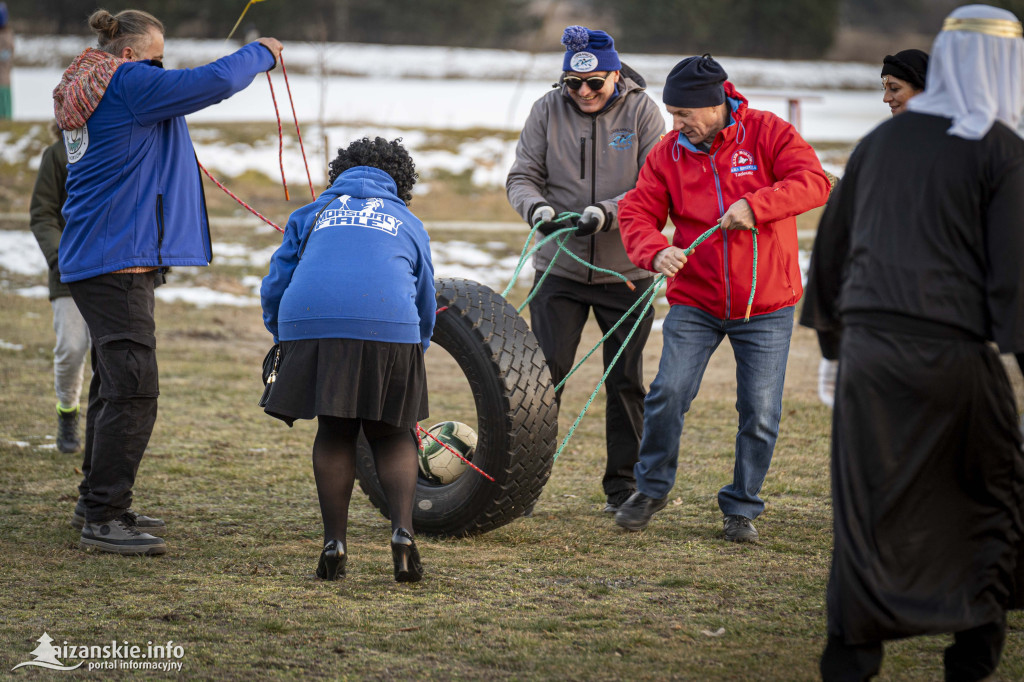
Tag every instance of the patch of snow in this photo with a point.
(202, 297)
(20, 252)
(38, 291)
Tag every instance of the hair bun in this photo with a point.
(104, 24)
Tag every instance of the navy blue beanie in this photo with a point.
(587, 51)
(3, 14)
(694, 83)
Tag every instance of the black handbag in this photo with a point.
(270, 364)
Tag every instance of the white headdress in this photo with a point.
(975, 71)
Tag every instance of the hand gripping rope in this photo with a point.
(647, 298)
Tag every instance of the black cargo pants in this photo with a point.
(123, 394)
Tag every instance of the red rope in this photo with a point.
(280, 137)
(296, 118)
(457, 454)
(232, 195)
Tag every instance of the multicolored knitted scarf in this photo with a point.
(82, 86)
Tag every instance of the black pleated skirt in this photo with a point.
(350, 378)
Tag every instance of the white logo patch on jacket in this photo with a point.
(77, 142)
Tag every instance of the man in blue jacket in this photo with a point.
(134, 206)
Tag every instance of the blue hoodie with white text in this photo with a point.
(354, 264)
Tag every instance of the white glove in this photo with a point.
(592, 220)
(827, 372)
(542, 213)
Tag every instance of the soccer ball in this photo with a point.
(439, 464)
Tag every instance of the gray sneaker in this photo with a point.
(143, 522)
(120, 536)
(739, 529)
(636, 512)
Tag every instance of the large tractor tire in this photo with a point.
(516, 417)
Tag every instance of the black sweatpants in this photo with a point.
(123, 394)
(557, 315)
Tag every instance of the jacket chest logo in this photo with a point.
(742, 162)
(366, 216)
(622, 138)
(76, 142)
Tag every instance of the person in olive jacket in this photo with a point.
(581, 150)
(72, 346)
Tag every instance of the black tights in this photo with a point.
(334, 468)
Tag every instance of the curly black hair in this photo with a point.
(390, 157)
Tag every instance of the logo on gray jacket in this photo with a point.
(622, 138)
(77, 142)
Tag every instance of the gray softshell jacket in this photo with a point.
(570, 160)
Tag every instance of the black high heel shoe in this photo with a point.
(408, 568)
(332, 561)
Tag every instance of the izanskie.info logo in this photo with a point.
(113, 656)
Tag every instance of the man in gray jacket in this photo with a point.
(581, 150)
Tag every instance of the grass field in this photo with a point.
(563, 594)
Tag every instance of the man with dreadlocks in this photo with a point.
(916, 267)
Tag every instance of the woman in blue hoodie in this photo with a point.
(350, 298)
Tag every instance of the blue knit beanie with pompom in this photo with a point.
(587, 51)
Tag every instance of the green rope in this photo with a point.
(544, 276)
(753, 275)
(525, 255)
(647, 298)
(611, 331)
(652, 292)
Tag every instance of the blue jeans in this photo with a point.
(761, 348)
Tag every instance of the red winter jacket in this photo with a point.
(757, 157)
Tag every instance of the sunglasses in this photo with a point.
(575, 82)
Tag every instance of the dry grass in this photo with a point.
(561, 595)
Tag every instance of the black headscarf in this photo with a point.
(908, 65)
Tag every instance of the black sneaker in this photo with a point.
(636, 512)
(120, 536)
(67, 430)
(143, 522)
(615, 501)
(739, 529)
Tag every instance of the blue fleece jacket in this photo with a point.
(135, 197)
(354, 264)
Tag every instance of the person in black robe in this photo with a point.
(919, 264)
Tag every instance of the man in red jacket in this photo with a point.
(744, 168)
